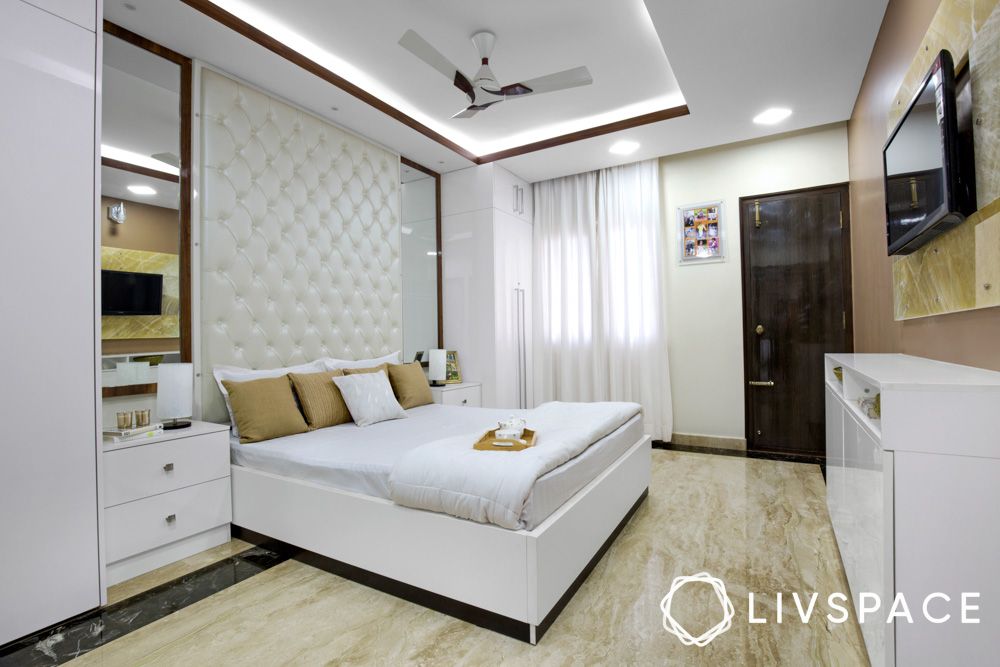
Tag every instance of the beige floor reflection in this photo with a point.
(760, 526)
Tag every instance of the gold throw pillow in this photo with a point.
(374, 369)
(410, 385)
(321, 401)
(265, 408)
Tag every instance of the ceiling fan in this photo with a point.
(483, 91)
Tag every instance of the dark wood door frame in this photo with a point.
(184, 180)
(744, 270)
(437, 234)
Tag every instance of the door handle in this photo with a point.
(515, 199)
(168, 467)
(761, 383)
(171, 518)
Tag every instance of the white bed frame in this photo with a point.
(521, 578)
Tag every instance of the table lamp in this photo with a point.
(436, 371)
(174, 394)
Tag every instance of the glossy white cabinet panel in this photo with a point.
(468, 394)
(48, 480)
(914, 501)
(81, 12)
(511, 194)
(152, 522)
(948, 517)
(467, 247)
(467, 190)
(512, 302)
(158, 467)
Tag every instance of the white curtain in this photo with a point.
(600, 299)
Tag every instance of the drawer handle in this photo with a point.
(171, 518)
(169, 467)
(465, 401)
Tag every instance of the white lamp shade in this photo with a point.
(174, 391)
(436, 371)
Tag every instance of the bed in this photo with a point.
(328, 492)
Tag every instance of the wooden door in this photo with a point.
(796, 307)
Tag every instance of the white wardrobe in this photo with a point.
(486, 231)
(48, 261)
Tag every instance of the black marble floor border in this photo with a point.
(90, 630)
(748, 454)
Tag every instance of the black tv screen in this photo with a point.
(924, 192)
(129, 293)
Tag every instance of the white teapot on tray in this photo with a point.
(511, 428)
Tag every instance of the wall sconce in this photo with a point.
(116, 213)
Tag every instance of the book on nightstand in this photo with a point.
(128, 434)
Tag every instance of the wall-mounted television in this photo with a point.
(929, 184)
(130, 293)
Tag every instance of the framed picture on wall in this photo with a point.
(699, 233)
(453, 374)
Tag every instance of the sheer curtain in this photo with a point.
(600, 302)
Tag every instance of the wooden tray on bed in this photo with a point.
(488, 443)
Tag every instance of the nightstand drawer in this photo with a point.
(144, 524)
(158, 467)
(467, 396)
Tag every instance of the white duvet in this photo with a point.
(492, 487)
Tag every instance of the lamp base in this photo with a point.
(435, 383)
(174, 424)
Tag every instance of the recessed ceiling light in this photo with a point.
(624, 147)
(141, 190)
(772, 116)
(407, 230)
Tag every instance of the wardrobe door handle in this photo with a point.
(171, 518)
(465, 401)
(169, 467)
(515, 199)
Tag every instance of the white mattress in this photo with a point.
(358, 459)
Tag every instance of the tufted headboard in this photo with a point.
(300, 238)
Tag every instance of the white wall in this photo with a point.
(706, 302)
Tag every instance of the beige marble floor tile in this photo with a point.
(761, 526)
(154, 578)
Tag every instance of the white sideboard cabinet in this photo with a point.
(914, 498)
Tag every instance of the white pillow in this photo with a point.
(369, 398)
(332, 364)
(237, 374)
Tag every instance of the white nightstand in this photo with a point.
(165, 498)
(469, 394)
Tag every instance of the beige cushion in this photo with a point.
(410, 385)
(321, 401)
(265, 408)
(361, 371)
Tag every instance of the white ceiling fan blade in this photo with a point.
(467, 112)
(422, 49)
(570, 78)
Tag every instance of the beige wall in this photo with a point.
(706, 302)
(147, 227)
(968, 338)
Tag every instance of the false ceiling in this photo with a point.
(726, 60)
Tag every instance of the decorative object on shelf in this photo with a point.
(124, 420)
(118, 435)
(838, 372)
(453, 373)
(175, 394)
(437, 371)
(151, 359)
(700, 233)
(872, 407)
(492, 442)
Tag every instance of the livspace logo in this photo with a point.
(935, 607)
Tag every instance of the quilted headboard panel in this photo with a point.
(300, 238)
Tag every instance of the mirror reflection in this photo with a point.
(420, 262)
(140, 216)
